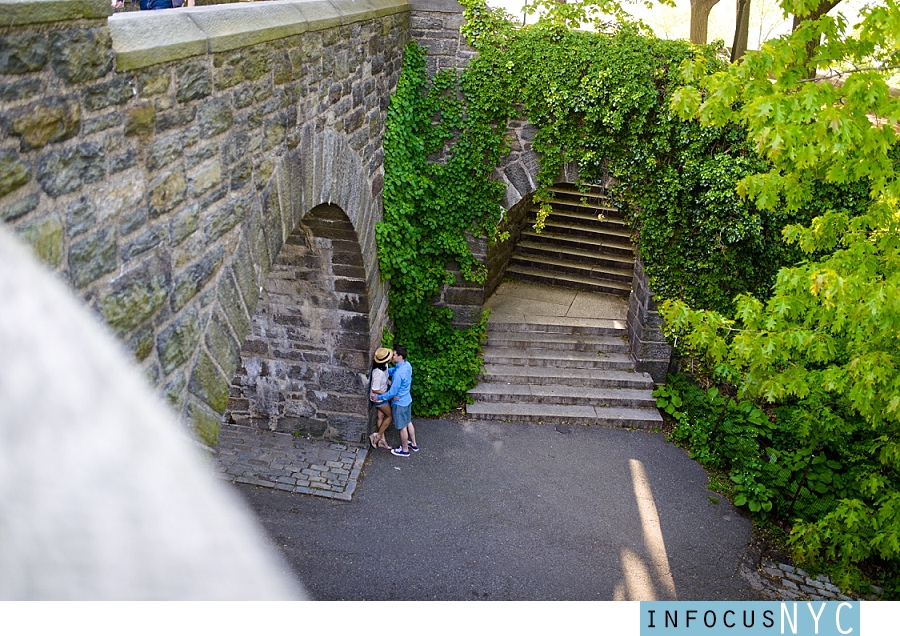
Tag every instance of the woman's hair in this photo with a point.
(379, 365)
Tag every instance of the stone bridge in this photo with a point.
(208, 181)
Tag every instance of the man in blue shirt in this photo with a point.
(401, 402)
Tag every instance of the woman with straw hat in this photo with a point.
(379, 385)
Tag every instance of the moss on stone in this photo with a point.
(48, 121)
(139, 119)
(154, 82)
(127, 308)
(207, 384)
(46, 239)
(174, 390)
(177, 343)
(205, 425)
(14, 173)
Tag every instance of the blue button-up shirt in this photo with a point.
(401, 380)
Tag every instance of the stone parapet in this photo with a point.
(435, 25)
(651, 353)
(499, 253)
(465, 298)
(28, 12)
(145, 39)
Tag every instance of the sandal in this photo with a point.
(373, 440)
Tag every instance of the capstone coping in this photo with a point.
(436, 6)
(146, 38)
(234, 26)
(18, 12)
(351, 9)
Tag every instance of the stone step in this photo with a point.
(593, 189)
(552, 264)
(535, 275)
(614, 246)
(594, 195)
(569, 219)
(561, 324)
(588, 216)
(563, 394)
(593, 207)
(557, 341)
(538, 359)
(586, 255)
(595, 232)
(566, 414)
(518, 374)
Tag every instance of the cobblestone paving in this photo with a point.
(781, 581)
(294, 464)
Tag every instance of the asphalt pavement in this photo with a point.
(500, 511)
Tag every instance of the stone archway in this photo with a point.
(304, 361)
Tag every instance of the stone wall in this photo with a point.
(499, 253)
(649, 348)
(434, 24)
(158, 161)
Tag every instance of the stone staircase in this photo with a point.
(571, 367)
(573, 373)
(576, 249)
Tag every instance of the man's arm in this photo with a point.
(396, 383)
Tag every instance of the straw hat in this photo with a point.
(382, 355)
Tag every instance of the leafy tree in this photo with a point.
(817, 106)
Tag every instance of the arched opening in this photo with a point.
(304, 362)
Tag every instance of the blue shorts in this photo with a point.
(402, 415)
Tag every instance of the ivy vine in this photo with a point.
(438, 158)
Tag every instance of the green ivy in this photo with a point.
(438, 158)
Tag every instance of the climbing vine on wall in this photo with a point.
(597, 99)
(601, 100)
(438, 159)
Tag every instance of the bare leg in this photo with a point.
(412, 433)
(387, 421)
(404, 439)
(373, 438)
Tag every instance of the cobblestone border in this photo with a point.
(281, 461)
(783, 582)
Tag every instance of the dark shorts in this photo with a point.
(402, 415)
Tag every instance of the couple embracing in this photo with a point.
(394, 404)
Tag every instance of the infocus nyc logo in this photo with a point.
(757, 618)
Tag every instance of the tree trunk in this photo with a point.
(700, 18)
(741, 29)
(823, 8)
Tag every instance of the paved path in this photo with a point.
(516, 511)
